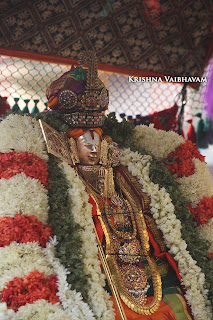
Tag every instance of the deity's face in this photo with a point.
(89, 148)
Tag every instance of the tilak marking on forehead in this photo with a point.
(93, 139)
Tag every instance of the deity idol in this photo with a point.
(142, 268)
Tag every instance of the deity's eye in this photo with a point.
(89, 146)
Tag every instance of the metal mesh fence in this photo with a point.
(26, 82)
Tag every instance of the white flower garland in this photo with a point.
(71, 301)
(160, 143)
(82, 213)
(206, 232)
(41, 310)
(6, 314)
(163, 213)
(194, 188)
(19, 259)
(22, 134)
(157, 142)
(21, 194)
(198, 185)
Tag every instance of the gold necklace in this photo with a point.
(126, 212)
(93, 169)
(129, 276)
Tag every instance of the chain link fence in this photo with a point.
(26, 82)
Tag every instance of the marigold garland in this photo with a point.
(34, 286)
(203, 211)
(23, 229)
(180, 162)
(12, 163)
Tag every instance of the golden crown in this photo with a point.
(81, 97)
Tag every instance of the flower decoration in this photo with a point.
(19, 259)
(21, 194)
(41, 310)
(98, 299)
(5, 313)
(32, 278)
(203, 212)
(71, 300)
(158, 143)
(32, 287)
(163, 212)
(23, 228)
(180, 162)
(193, 188)
(22, 134)
(12, 163)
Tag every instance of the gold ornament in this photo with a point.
(84, 106)
(104, 153)
(110, 152)
(74, 151)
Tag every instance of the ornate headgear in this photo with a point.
(79, 95)
(77, 132)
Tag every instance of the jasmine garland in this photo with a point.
(163, 213)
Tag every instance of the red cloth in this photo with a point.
(165, 119)
(4, 106)
(191, 133)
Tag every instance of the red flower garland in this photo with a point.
(33, 287)
(23, 229)
(13, 162)
(180, 162)
(203, 211)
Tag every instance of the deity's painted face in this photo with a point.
(89, 148)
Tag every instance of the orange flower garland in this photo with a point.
(203, 211)
(23, 229)
(33, 287)
(180, 162)
(13, 162)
